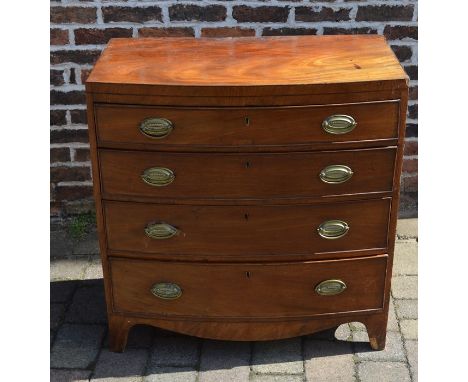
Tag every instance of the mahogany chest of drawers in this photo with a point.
(247, 189)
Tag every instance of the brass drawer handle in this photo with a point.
(330, 287)
(156, 128)
(335, 174)
(333, 229)
(166, 291)
(158, 176)
(161, 231)
(339, 124)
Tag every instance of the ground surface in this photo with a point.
(79, 350)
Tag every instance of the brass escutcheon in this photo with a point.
(333, 229)
(158, 176)
(335, 174)
(339, 124)
(166, 291)
(330, 287)
(156, 128)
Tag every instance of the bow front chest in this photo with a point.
(247, 189)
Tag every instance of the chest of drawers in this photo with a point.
(247, 189)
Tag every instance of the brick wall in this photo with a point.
(79, 31)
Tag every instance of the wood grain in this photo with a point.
(227, 127)
(248, 291)
(246, 66)
(245, 176)
(267, 230)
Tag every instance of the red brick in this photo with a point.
(67, 15)
(58, 37)
(385, 13)
(399, 32)
(192, 12)
(340, 31)
(288, 31)
(58, 117)
(134, 14)
(82, 155)
(411, 129)
(67, 98)
(61, 154)
(323, 14)
(73, 192)
(69, 174)
(166, 32)
(227, 32)
(413, 92)
(412, 71)
(263, 14)
(411, 148)
(410, 166)
(69, 135)
(413, 111)
(85, 36)
(74, 56)
(84, 75)
(56, 77)
(410, 183)
(78, 116)
(403, 52)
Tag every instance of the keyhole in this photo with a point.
(246, 216)
(247, 121)
(247, 274)
(247, 164)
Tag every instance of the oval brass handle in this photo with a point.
(160, 231)
(158, 176)
(339, 124)
(335, 174)
(330, 287)
(333, 229)
(166, 291)
(156, 128)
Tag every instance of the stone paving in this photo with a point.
(79, 350)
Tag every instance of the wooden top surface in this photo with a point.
(308, 64)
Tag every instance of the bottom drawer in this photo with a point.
(267, 290)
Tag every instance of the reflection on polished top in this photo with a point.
(296, 61)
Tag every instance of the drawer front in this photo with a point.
(225, 127)
(264, 290)
(127, 173)
(234, 230)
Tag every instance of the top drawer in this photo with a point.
(178, 127)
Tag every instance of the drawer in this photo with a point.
(254, 126)
(235, 230)
(210, 175)
(265, 290)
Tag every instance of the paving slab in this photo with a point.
(62, 375)
(328, 361)
(406, 309)
(68, 269)
(175, 351)
(171, 374)
(276, 378)
(141, 336)
(406, 258)
(61, 245)
(383, 372)
(412, 351)
(405, 287)
(94, 269)
(392, 323)
(393, 351)
(87, 245)
(407, 228)
(409, 329)
(226, 361)
(88, 305)
(76, 346)
(57, 312)
(282, 356)
(123, 367)
(62, 291)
